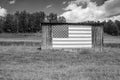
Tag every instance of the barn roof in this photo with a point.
(83, 23)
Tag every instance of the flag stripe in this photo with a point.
(72, 43)
(78, 37)
(72, 46)
(80, 32)
(60, 42)
(71, 36)
(71, 39)
(80, 27)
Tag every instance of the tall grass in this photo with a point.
(28, 63)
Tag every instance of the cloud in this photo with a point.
(74, 12)
(48, 6)
(3, 12)
(112, 7)
(12, 1)
(64, 2)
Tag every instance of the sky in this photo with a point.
(72, 10)
(33, 5)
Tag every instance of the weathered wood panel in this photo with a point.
(46, 37)
(97, 37)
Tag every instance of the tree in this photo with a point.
(38, 18)
(9, 24)
(111, 28)
(52, 18)
(118, 24)
(23, 22)
(61, 19)
(2, 19)
(17, 16)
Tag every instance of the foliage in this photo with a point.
(9, 24)
(61, 19)
(112, 28)
(52, 17)
(24, 22)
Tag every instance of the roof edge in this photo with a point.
(84, 23)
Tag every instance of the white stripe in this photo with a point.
(78, 28)
(72, 46)
(76, 35)
(80, 32)
(67, 39)
(80, 42)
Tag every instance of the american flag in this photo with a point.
(71, 36)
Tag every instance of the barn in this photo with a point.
(72, 35)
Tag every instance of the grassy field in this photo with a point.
(34, 39)
(28, 63)
(28, 39)
(111, 39)
(21, 36)
(21, 62)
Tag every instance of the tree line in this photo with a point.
(24, 22)
(112, 27)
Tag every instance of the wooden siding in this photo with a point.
(93, 36)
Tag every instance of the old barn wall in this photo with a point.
(97, 34)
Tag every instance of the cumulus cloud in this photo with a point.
(12, 1)
(3, 12)
(49, 6)
(76, 13)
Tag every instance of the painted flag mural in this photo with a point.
(68, 36)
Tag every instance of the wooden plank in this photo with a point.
(46, 37)
(97, 37)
